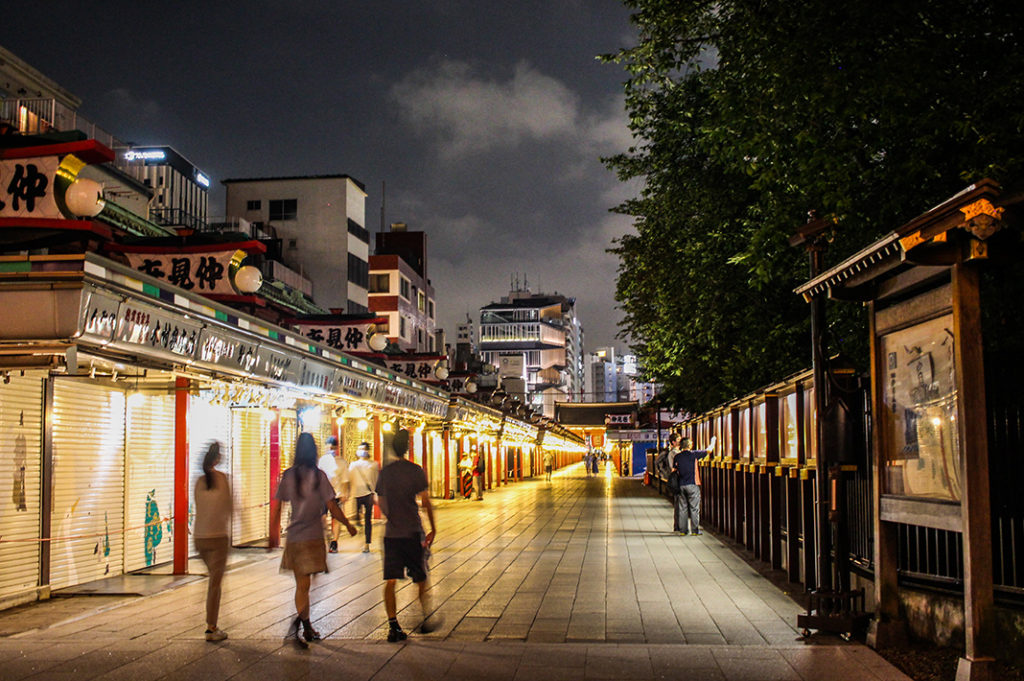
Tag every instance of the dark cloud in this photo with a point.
(486, 120)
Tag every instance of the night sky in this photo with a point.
(487, 120)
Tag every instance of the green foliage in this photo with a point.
(748, 114)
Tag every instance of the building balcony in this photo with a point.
(48, 117)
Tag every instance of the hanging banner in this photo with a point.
(344, 336)
(197, 272)
(26, 188)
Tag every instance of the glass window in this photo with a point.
(253, 205)
(810, 430)
(284, 209)
(430, 309)
(787, 426)
(761, 431)
(421, 301)
(358, 271)
(380, 283)
(744, 443)
(403, 287)
(920, 439)
(401, 326)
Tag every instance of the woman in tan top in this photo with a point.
(212, 533)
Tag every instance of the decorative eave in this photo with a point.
(956, 230)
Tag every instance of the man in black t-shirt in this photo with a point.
(405, 545)
(688, 499)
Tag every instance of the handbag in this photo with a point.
(673, 481)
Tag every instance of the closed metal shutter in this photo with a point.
(21, 411)
(206, 422)
(88, 482)
(250, 474)
(149, 480)
(289, 431)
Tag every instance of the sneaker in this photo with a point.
(216, 634)
(395, 634)
(697, 532)
(333, 548)
(683, 533)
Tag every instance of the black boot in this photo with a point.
(293, 634)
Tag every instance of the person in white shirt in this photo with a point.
(211, 533)
(336, 468)
(363, 474)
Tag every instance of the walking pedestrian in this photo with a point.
(336, 467)
(405, 546)
(684, 463)
(549, 461)
(211, 532)
(479, 466)
(309, 491)
(363, 475)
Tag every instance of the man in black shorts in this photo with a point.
(405, 545)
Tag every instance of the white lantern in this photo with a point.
(378, 341)
(470, 386)
(85, 197)
(441, 372)
(248, 279)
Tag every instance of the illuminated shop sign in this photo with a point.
(145, 155)
(202, 180)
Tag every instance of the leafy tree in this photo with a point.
(748, 114)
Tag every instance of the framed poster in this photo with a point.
(921, 453)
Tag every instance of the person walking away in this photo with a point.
(309, 491)
(688, 500)
(479, 466)
(549, 461)
(593, 462)
(405, 546)
(211, 533)
(336, 467)
(363, 474)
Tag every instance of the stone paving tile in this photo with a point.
(574, 579)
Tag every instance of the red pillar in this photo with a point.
(275, 476)
(445, 440)
(378, 456)
(180, 544)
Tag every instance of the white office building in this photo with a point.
(320, 221)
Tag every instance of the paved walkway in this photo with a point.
(573, 579)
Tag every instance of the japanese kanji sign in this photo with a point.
(196, 272)
(26, 188)
(344, 337)
(618, 419)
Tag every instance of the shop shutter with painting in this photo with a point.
(21, 416)
(149, 479)
(288, 432)
(88, 482)
(250, 474)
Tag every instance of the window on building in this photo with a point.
(430, 309)
(380, 283)
(383, 327)
(421, 301)
(284, 209)
(419, 337)
(358, 231)
(253, 205)
(401, 326)
(403, 287)
(293, 243)
(358, 270)
(356, 308)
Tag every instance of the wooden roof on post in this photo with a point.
(956, 230)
